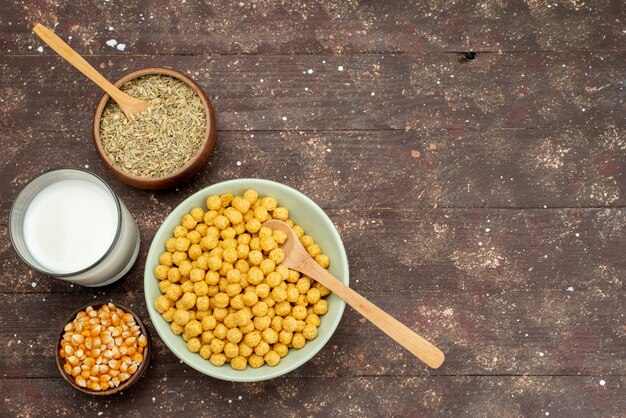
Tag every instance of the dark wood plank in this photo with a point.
(502, 333)
(191, 27)
(462, 250)
(521, 90)
(529, 168)
(458, 396)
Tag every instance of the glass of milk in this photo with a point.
(68, 223)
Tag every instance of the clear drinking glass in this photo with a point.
(48, 247)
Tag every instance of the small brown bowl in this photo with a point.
(188, 169)
(125, 385)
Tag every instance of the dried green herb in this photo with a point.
(161, 139)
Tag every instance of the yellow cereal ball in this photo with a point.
(310, 332)
(283, 270)
(228, 235)
(292, 293)
(279, 236)
(255, 257)
(261, 214)
(306, 241)
(255, 276)
(298, 312)
(245, 350)
(188, 300)
(242, 265)
(324, 291)
(289, 222)
(253, 225)
(243, 250)
(188, 222)
(201, 314)
(265, 232)
(277, 323)
(220, 331)
(186, 337)
(313, 319)
(262, 348)
(160, 272)
(242, 205)
(279, 294)
(255, 244)
(221, 222)
(217, 345)
(271, 358)
(181, 317)
(239, 228)
(193, 328)
(213, 202)
(273, 279)
(233, 276)
(209, 218)
(290, 324)
(221, 300)
(322, 260)
(203, 262)
(169, 245)
(182, 244)
(234, 335)
(217, 252)
(298, 230)
(185, 268)
(207, 337)
(176, 329)
(164, 285)
(255, 361)
(180, 231)
(226, 199)
(285, 336)
(217, 359)
(242, 318)
(252, 338)
(230, 255)
(162, 304)
(196, 275)
(269, 336)
(314, 250)
(194, 237)
(248, 215)
(231, 350)
(238, 363)
(194, 251)
(262, 322)
(215, 263)
(280, 213)
(173, 292)
(262, 290)
(201, 289)
(179, 256)
(313, 295)
(194, 345)
(233, 289)
(298, 341)
(303, 285)
(220, 313)
(269, 203)
(209, 242)
(260, 309)
(283, 308)
(197, 214)
(169, 314)
(237, 300)
(268, 244)
(251, 196)
(281, 349)
(301, 301)
(250, 298)
(212, 278)
(213, 289)
(321, 307)
(267, 266)
(294, 276)
(202, 229)
(166, 259)
(233, 215)
(277, 255)
(205, 351)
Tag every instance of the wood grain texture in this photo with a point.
(308, 92)
(482, 203)
(315, 27)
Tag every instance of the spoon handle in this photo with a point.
(71, 56)
(403, 335)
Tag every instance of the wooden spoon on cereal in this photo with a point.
(297, 258)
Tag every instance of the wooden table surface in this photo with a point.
(481, 201)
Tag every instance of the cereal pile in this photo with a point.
(225, 291)
(102, 348)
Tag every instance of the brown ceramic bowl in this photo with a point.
(125, 385)
(188, 169)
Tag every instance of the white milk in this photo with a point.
(70, 225)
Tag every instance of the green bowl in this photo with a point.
(304, 212)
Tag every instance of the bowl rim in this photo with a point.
(199, 159)
(132, 380)
(272, 372)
